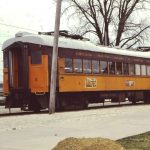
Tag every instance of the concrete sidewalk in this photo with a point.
(43, 132)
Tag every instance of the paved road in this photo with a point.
(42, 132)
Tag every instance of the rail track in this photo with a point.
(1, 93)
(91, 106)
(21, 113)
(2, 98)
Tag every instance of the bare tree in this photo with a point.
(114, 22)
(125, 25)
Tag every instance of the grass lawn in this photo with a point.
(137, 142)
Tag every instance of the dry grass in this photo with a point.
(137, 142)
(88, 144)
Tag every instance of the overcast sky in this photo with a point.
(31, 16)
(36, 15)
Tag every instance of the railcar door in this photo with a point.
(38, 71)
(18, 68)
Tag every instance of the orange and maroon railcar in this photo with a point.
(86, 73)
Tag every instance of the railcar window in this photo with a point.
(118, 68)
(5, 61)
(68, 65)
(125, 68)
(87, 66)
(111, 67)
(143, 70)
(36, 56)
(95, 66)
(104, 67)
(148, 70)
(78, 65)
(137, 69)
(132, 69)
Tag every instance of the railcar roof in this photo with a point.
(73, 44)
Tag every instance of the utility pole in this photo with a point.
(54, 60)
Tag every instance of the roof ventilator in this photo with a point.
(66, 34)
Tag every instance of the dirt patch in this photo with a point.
(88, 144)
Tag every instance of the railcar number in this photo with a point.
(129, 83)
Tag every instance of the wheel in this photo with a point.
(34, 104)
(85, 104)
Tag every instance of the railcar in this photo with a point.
(86, 73)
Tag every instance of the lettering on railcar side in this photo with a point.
(90, 83)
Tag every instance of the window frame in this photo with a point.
(117, 69)
(112, 73)
(104, 73)
(148, 72)
(75, 66)
(96, 68)
(36, 57)
(65, 65)
(142, 70)
(136, 68)
(129, 70)
(6, 60)
(89, 61)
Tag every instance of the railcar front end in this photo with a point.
(26, 76)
